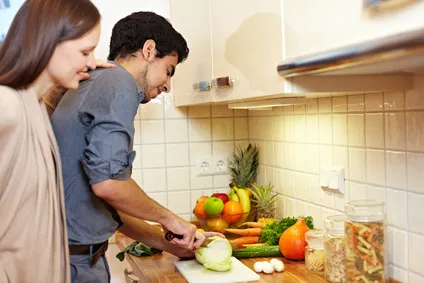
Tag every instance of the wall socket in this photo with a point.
(209, 166)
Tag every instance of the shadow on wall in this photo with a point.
(255, 48)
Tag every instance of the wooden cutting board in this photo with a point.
(194, 272)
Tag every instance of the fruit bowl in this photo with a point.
(224, 221)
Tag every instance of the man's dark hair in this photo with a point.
(130, 33)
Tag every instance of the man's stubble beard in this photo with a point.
(142, 81)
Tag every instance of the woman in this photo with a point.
(50, 42)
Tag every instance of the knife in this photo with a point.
(170, 235)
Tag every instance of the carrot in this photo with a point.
(245, 240)
(245, 232)
(253, 224)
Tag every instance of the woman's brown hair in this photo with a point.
(38, 27)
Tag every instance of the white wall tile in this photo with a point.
(357, 191)
(299, 109)
(341, 158)
(312, 159)
(137, 160)
(340, 104)
(288, 110)
(340, 200)
(222, 181)
(202, 182)
(395, 130)
(279, 154)
(356, 129)
(312, 105)
(291, 207)
(374, 102)
(222, 148)
(316, 213)
(299, 128)
(414, 99)
(340, 129)
(415, 213)
(394, 101)
(199, 130)
(241, 129)
(326, 155)
(326, 129)
(415, 278)
(374, 130)
(327, 199)
(278, 128)
(152, 131)
(300, 157)
(178, 179)
(376, 193)
(221, 111)
(324, 105)
(312, 129)
(137, 176)
(289, 155)
(152, 110)
(199, 111)
(301, 186)
(376, 167)
(261, 178)
(137, 132)
(415, 253)
(415, 130)
(290, 183)
(301, 208)
(199, 149)
(288, 128)
(222, 129)
(154, 180)
(179, 202)
(269, 175)
(398, 273)
(161, 198)
(396, 169)
(153, 156)
(269, 153)
(280, 207)
(326, 212)
(172, 112)
(279, 181)
(176, 130)
(415, 167)
(240, 113)
(396, 208)
(355, 103)
(357, 164)
(177, 154)
(313, 189)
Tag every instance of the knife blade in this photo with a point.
(170, 235)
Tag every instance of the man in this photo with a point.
(95, 132)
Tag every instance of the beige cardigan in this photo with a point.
(33, 237)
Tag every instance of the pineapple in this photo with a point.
(244, 166)
(264, 199)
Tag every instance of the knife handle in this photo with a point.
(170, 235)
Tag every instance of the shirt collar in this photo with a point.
(140, 94)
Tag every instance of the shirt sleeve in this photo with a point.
(108, 111)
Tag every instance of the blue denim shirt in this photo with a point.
(94, 128)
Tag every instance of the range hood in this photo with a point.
(400, 53)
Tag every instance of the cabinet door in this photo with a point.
(247, 45)
(314, 26)
(191, 18)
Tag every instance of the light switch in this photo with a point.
(332, 178)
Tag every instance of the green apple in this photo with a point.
(213, 206)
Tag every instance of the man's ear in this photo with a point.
(149, 50)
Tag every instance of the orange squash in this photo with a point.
(292, 241)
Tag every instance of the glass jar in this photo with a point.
(314, 251)
(334, 249)
(364, 238)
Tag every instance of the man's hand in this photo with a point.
(99, 64)
(181, 227)
(186, 253)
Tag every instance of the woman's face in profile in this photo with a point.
(73, 57)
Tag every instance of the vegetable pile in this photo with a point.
(272, 232)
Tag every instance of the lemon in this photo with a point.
(200, 230)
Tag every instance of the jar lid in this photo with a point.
(365, 210)
(335, 224)
(315, 238)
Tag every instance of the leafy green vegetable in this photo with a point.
(137, 249)
(216, 256)
(272, 232)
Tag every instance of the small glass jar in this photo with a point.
(334, 249)
(365, 241)
(314, 251)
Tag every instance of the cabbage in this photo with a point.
(216, 256)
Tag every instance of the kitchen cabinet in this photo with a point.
(316, 26)
(239, 39)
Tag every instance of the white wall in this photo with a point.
(378, 139)
(7, 14)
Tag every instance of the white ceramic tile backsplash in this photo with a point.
(378, 139)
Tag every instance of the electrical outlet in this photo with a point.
(221, 167)
(205, 166)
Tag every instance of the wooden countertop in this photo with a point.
(161, 268)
